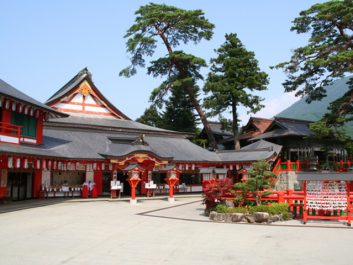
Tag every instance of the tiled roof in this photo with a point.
(260, 124)
(91, 145)
(84, 74)
(9, 91)
(105, 123)
(282, 127)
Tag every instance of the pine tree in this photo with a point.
(234, 72)
(172, 26)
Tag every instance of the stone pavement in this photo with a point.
(152, 232)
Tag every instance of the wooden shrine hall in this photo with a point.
(79, 137)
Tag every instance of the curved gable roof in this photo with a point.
(77, 80)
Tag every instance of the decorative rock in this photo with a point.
(250, 218)
(275, 218)
(237, 217)
(213, 215)
(261, 217)
(220, 217)
(228, 217)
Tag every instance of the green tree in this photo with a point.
(234, 72)
(179, 114)
(172, 26)
(329, 135)
(328, 54)
(258, 182)
(151, 117)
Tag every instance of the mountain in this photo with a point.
(302, 110)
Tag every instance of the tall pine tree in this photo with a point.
(171, 26)
(179, 113)
(234, 75)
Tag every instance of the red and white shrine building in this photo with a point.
(78, 136)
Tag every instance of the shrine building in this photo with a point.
(79, 136)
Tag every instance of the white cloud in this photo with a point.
(275, 105)
(272, 107)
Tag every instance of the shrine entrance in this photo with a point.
(106, 179)
(20, 185)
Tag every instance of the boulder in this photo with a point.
(261, 217)
(213, 215)
(250, 218)
(275, 218)
(237, 217)
(228, 217)
(220, 217)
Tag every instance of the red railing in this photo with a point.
(296, 202)
(286, 166)
(10, 129)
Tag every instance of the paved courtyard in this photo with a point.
(106, 232)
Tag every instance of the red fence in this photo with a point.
(285, 166)
(299, 209)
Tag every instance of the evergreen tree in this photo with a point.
(172, 26)
(327, 56)
(234, 72)
(151, 117)
(179, 114)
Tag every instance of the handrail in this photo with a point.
(10, 129)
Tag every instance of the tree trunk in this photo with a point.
(190, 92)
(235, 125)
(202, 115)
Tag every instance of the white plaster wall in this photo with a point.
(89, 176)
(46, 178)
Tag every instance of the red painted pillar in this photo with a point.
(280, 196)
(37, 183)
(305, 210)
(290, 201)
(6, 115)
(144, 180)
(98, 180)
(40, 129)
(349, 213)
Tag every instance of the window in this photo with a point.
(28, 123)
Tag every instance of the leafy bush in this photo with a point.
(222, 208)
(278, 208)
(257, 184)
(217, 193)
(272, 209)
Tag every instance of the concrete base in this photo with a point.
(133, 201)
(171, 200)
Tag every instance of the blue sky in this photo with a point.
(43, 44)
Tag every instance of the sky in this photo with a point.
(43, 44)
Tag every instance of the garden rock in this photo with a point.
(228, 217)
(219, 217)
(275, 218)
(250, 218)
(213, 215)
(237, 217)
(261, 217)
